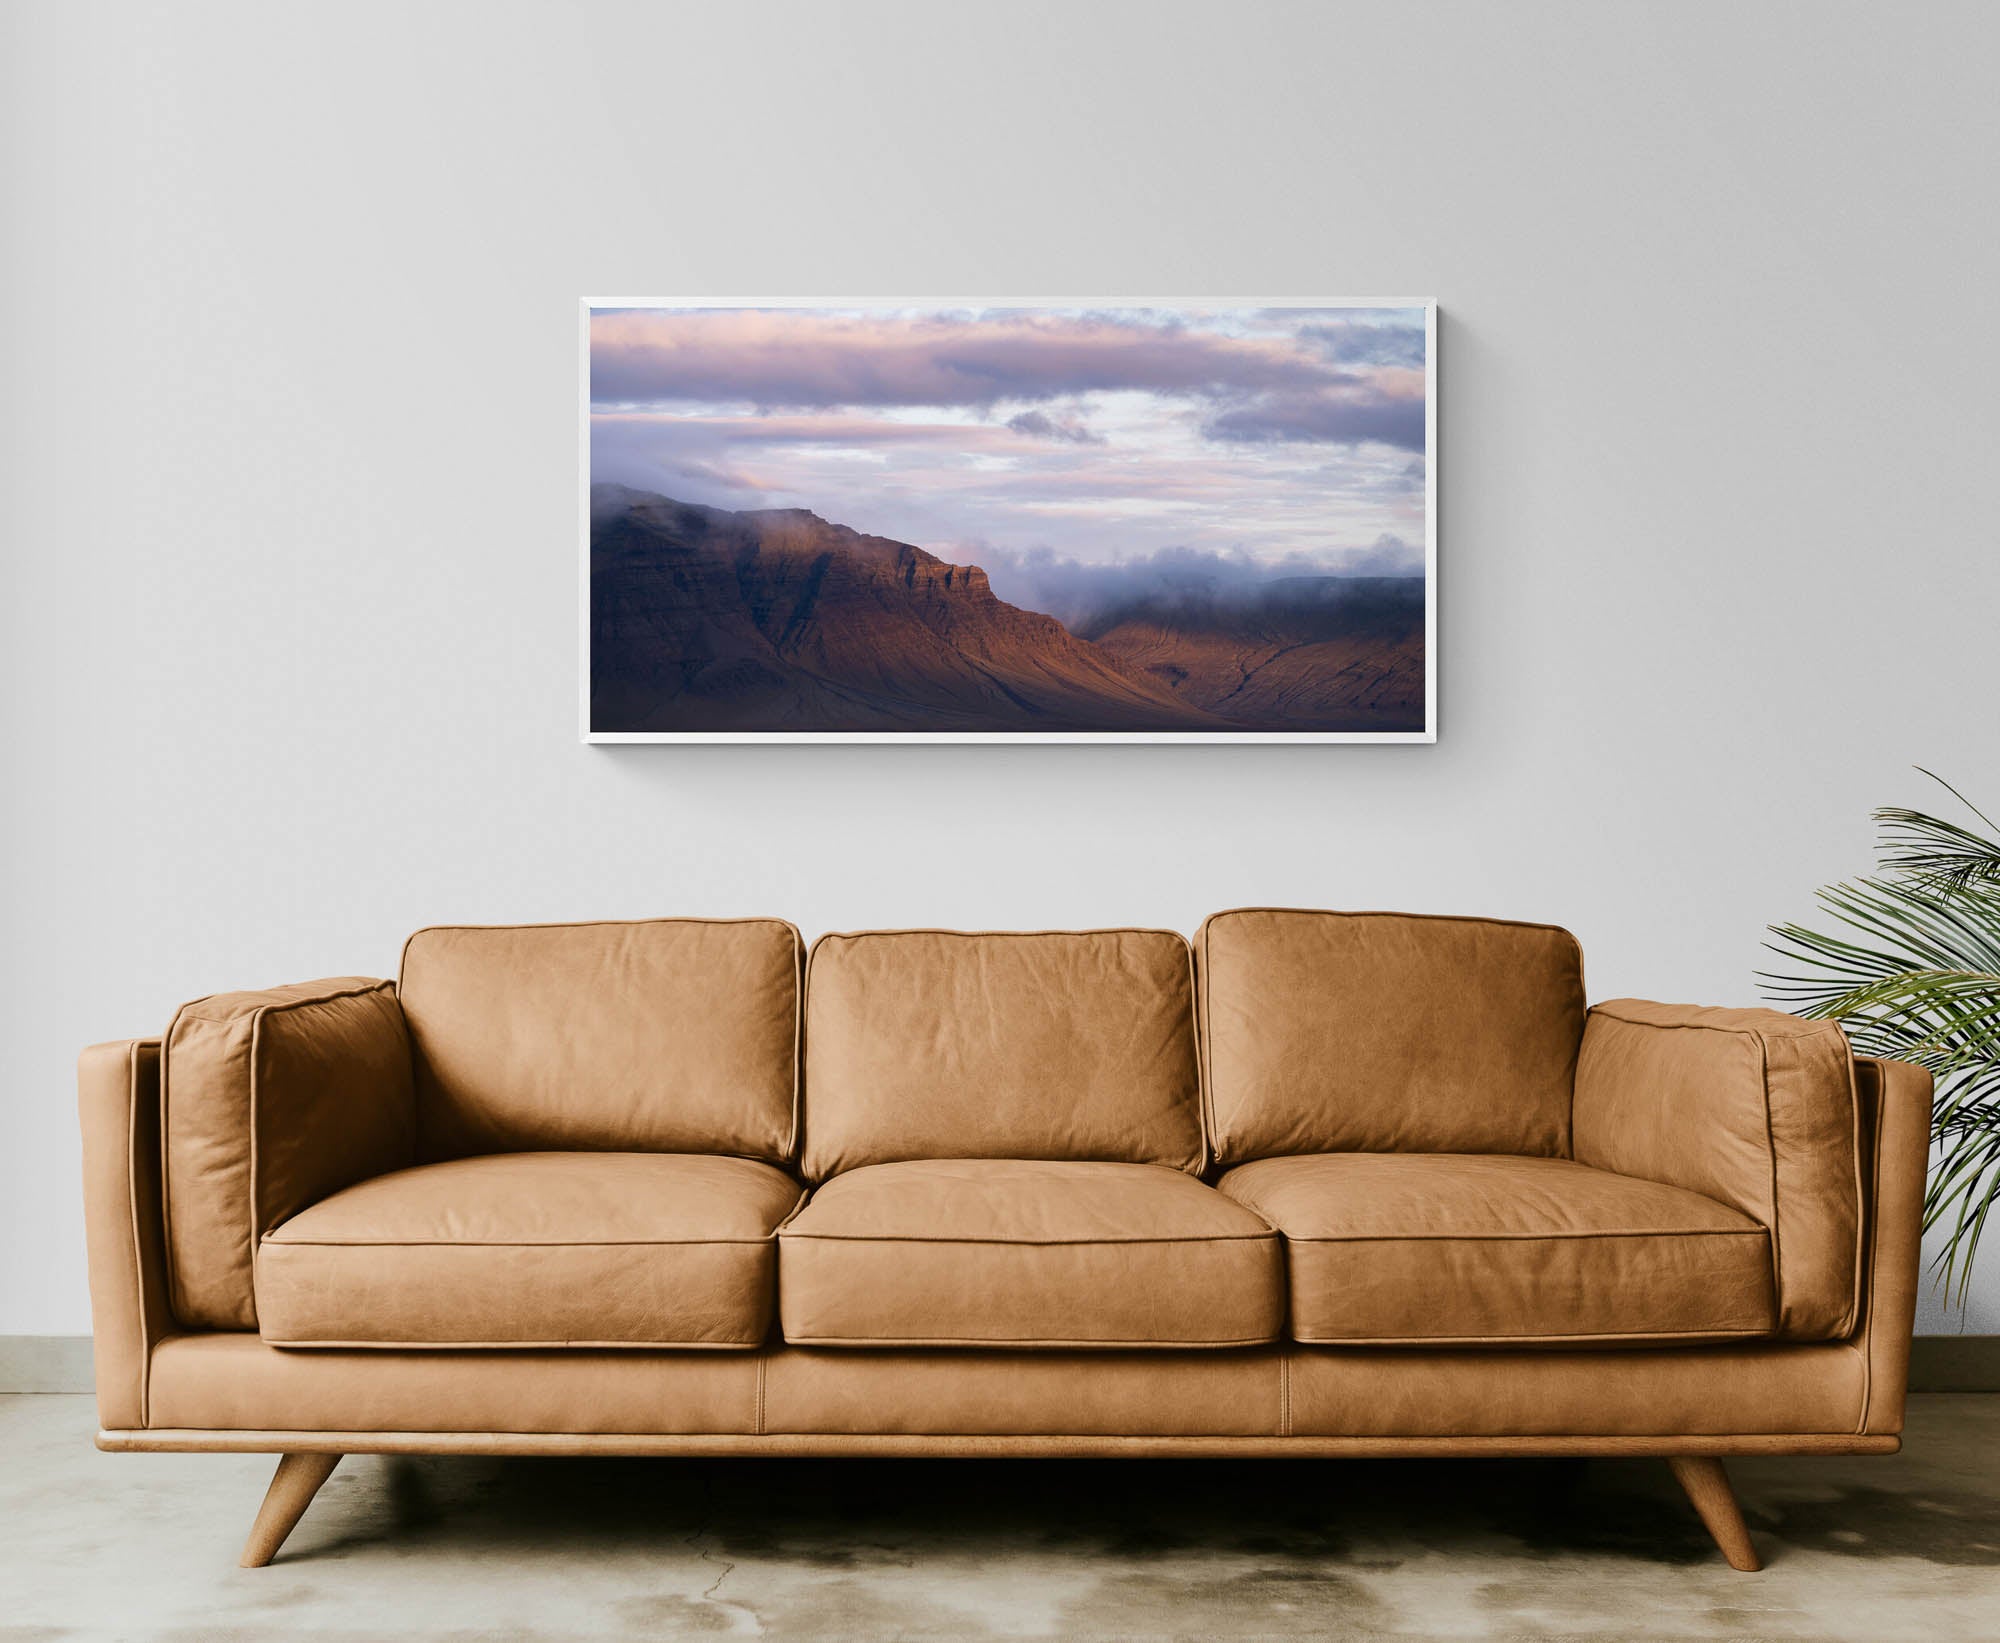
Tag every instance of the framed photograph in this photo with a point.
(1010, 521)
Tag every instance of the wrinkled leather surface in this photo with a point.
(942, 1044)
(223, 1383)
(1895, 1101)
(991, 1252)
(1687, 1121)
(1396, 1248)
(118, 1103)
(1751, 1107)
(987, 1392)
(545, 1249)
(669, 1035)
(1387, 1032)
(1770, 1387)
(234, 1382)
(270, 1100)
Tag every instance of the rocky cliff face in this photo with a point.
(1300, 653)
(778, 620)
(703, 619)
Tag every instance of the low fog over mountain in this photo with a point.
(774, 619)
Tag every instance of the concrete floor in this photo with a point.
(532, 1551)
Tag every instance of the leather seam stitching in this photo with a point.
(1683, 1443)
(1382, 912)
(254, 1194)
(1771, 1151)
(795, 1143)
(1517, 1237)
(1611, 1014)
(1745, 1333)
(1875, 1218)
(132, 1223)
(1202, 1151)
(1104, 1342)
(988, 935)
(1204, 963)
(187, 1013)
(275, 1242)
(1862, 1195)
(585, 924)
(511, 1345)
(1022, 1243)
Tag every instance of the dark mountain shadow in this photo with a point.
(778, 620)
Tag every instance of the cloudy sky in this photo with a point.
(1288, 438)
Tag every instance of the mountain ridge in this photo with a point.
(778, 619)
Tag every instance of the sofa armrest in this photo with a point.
(1751, 1107)
(271, 1101)
(1896, 1130)
(118, 1104)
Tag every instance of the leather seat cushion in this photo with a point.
(1012, 1253)
(533, 1249)
(1394, 1249)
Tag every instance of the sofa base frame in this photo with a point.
(293, 1486)
(995, 1446)
(1706, 1485)
(307, 1459)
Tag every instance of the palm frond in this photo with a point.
(1953, 1010)
(1917, 845)
(1921, 846)
(1914, 975)
(1960, 1196)
(1909, 926)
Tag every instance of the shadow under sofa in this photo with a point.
(1315, 1185)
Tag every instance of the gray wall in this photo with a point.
(289, 447)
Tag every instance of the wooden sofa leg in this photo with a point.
(293, 1486)
(1708, 1489)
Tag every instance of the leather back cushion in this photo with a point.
(668, 1035)
(1046, 1044)
(1387, 1032)
(268, 1101)
(1752, 1107)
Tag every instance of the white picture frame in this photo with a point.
(1426, 734)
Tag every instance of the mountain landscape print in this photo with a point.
(963, 522)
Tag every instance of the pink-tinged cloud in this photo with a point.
(858, 432)
(1063, 430)
(1276, 433)
(1336, 418)
(1354, 342)
(802, 359)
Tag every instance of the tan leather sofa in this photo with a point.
(1317, 1184)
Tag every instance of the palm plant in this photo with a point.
(1915, 975)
